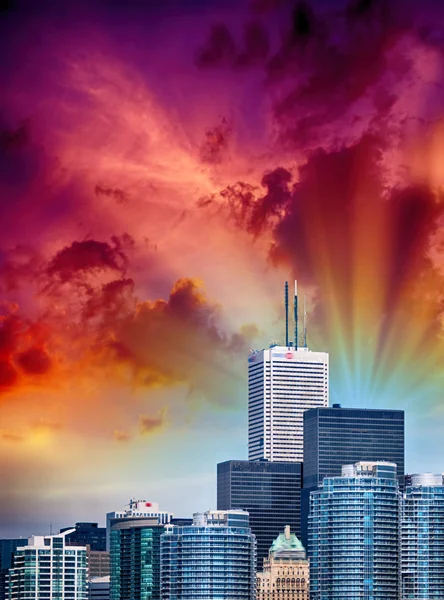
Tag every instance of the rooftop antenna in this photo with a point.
(286, 313)
(305, 321)
(296, 314)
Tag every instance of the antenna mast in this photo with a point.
(305, 321)
(286, 313)
(296, 314)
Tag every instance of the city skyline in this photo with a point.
(158, 184)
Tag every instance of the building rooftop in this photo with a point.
(287, 545)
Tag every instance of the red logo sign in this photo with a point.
(289, 355)
(148, 504)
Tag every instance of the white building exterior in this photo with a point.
(137, 508)
(47, 569)
(283, 383)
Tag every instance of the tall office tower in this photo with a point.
(86, 534)
(354, 534)
(422, 538)
(269, 491)
(214, 558)
(48, 569)
(7, 550)
(283, 382)
(338, 436)
(137, 508)
(286, 574)
(135, 558)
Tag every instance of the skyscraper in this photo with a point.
(354, 534)
(213, 558)
(422, 538)
(137, 508)
(135, 558)
(269, 491)
(48, 569)
(286, 573)
(282, 384)
(338, 436)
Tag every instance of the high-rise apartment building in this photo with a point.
(269, 491)
(98, 588)
(7, 550)
(86, 534)
(283, 382)
(286, 574)
(98, 563)
(48, 569)
(213, 558)
(422, 538)
(336, 436)
(135, 558)
(354, 534)
(137, 508)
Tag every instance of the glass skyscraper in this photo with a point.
(338, 436)
(87, 534)
(269, 491)
(48, 569)
(422, 538)
(214, 559)
(135, 558)
(354, 534)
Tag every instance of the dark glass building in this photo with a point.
(87, 534)
(337, 436)
(7, 550)
(269, 491)
(135, 558)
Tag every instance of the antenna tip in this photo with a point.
(295, 287)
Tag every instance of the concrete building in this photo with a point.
(214, 558)
(137, 508)
(269, 491)
(98, 588)
(422, 538)
(48, 569)
(354, 534)
(283, 382)
(98, 564)
(286, 574)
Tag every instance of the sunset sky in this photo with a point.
(164, 168)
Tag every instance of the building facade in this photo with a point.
(283, 382)
(48, 569)
(286, 574)
(86, 534)
(354, 534)
(214, 558)
(422, 538)
(7, 551)
(137, 508)
(269, 491)
(338, 436)
(98, 563)
(98, 588)
(135, 558)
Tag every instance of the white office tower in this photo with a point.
(137, 508)
(283, 382)
(47, 569)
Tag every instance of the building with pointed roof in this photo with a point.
(286, 570)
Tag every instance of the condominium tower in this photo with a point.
(213, 558)
(422, 538)
(48, 569)
(354, 534)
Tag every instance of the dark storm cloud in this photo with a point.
(118, 195)
(216, 142)
(34, 360)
